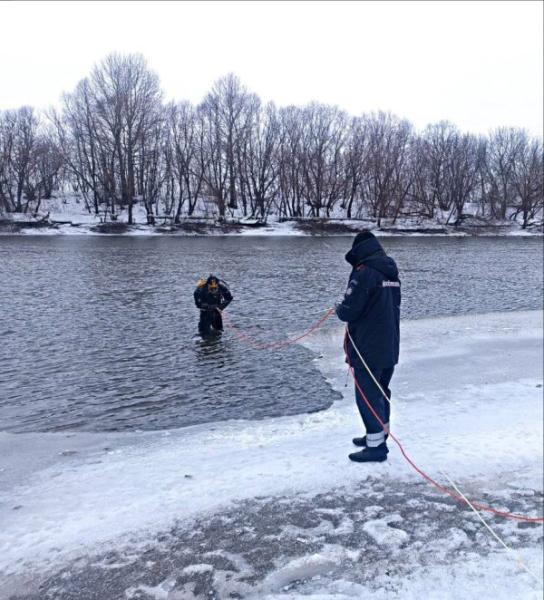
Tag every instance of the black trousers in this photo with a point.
(210, 322)
(374, 397)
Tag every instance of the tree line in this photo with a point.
(115, 142)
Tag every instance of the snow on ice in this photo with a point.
(273, 509)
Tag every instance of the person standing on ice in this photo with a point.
(371, 309)
(212, 296)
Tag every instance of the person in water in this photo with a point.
(371, 309)
(212, 296)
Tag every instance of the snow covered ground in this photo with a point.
(70, 216)
(273, 509)
(275, 228)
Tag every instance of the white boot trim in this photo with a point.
(375, 439)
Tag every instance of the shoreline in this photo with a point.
(321, 228)
(115, 503)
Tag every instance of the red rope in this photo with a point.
(428, 477)
(280, 343)
(317, 325)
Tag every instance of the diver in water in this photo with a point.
(212, 296)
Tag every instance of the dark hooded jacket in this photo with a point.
(371, 305)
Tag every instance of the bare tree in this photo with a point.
(127, 100)
(88, 153)
(24, 146)
(355, 164)
(385, 185)
(462, 171)
(325, 130)
(30, 161)
(257, 160)
(115, 143)
(422, 201)
(187, 156)
(528, 175)
(437, 148)
(290, 162)
(47, 165)
(7, 140)
(226, 113)
(150, 168)
(500, 191)
(216, 171)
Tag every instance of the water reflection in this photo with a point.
(210, 346)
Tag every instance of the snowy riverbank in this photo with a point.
(68, 216)
(325, 227)
(273, 509)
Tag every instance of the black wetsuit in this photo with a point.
(208, 302)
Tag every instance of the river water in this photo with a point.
(99, 333)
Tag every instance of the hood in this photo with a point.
(371, 254)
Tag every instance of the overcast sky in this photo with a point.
(478, 64)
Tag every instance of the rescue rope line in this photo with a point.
(455, 496)
(280, 343)
(510, 551)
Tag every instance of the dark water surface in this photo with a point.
(99, 333)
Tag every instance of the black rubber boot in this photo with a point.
(361, 441)
(377, 454)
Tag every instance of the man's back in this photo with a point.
(371, 305)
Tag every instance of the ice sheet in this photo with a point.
(467, 399)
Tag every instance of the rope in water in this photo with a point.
(280, 343)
